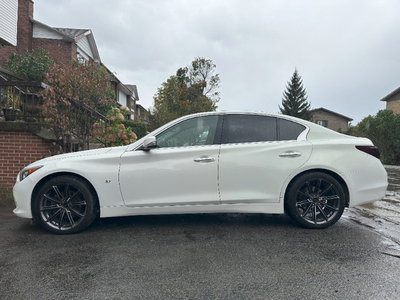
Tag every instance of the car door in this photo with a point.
(258, 153)
(182, 170)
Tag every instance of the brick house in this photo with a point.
(22, 142)
(393, 101)
(330, 119)
(62, 44)
(142, 114)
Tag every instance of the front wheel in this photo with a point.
(64, 205)
(315, 200)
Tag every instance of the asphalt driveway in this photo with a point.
(216, 256)
(221, 256)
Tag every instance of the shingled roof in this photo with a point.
(332, 112)
(72, 32)
(73, 35)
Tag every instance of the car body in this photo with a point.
(217, 162)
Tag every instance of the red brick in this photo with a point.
(16, 153)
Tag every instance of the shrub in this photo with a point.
(383, 130)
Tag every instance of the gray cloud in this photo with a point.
(347, 52)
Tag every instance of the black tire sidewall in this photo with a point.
(290, 199)
(87, 194)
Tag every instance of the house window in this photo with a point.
(322, 123)
(81, 58)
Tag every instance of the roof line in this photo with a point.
(65, 37)
(332, 112)
(386, 98)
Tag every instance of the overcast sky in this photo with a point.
(346, 51)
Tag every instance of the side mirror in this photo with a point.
(149, 143)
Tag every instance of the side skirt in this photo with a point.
(119, 211)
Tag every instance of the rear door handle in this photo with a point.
(204, 159)
(290, 154)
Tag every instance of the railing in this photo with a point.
(20, 102)
(18, 97)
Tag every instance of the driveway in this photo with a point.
(218, 256)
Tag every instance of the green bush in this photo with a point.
(139, 128)
(30, 65)
(383, 130)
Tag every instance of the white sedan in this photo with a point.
(219, 162)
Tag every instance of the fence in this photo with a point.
(20, 102)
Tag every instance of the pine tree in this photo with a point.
(294, 101)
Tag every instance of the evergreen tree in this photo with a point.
(294, 101)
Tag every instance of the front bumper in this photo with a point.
(22, 193)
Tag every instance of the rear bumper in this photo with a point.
(368, 184)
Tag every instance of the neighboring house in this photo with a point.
(124, 95)
(330, 119)
(393, 101)
(65, 44)
(62, 44)
(142, 115)
(25, 142)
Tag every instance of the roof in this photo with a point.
(71, 32)
(65, 37)
(73, 35)
(133, 89)
(390, 95)
(141, 107)
(332, 112)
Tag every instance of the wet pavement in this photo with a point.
(382, 216)
(207, 256)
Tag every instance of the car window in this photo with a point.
(289, 130)
(192, 132)
(249, 128)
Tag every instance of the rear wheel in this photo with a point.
(64, 205)
(315, 200)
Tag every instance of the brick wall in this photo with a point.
(25, 26)
(5, 53)
(393, 106)
(18, 149)
(334, 122)
(24, 31)
(62, 52)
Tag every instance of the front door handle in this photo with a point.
(204, 159)
(290, 154)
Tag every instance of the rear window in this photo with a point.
(257, 128)
(289, 130)
(249, 128)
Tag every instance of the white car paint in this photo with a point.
(254, 172)
(129, 181)
(178, 178)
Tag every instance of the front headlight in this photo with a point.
(26, 172)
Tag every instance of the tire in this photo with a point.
(64, 205)
(315, 200)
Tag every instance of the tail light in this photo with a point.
(371, 150)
